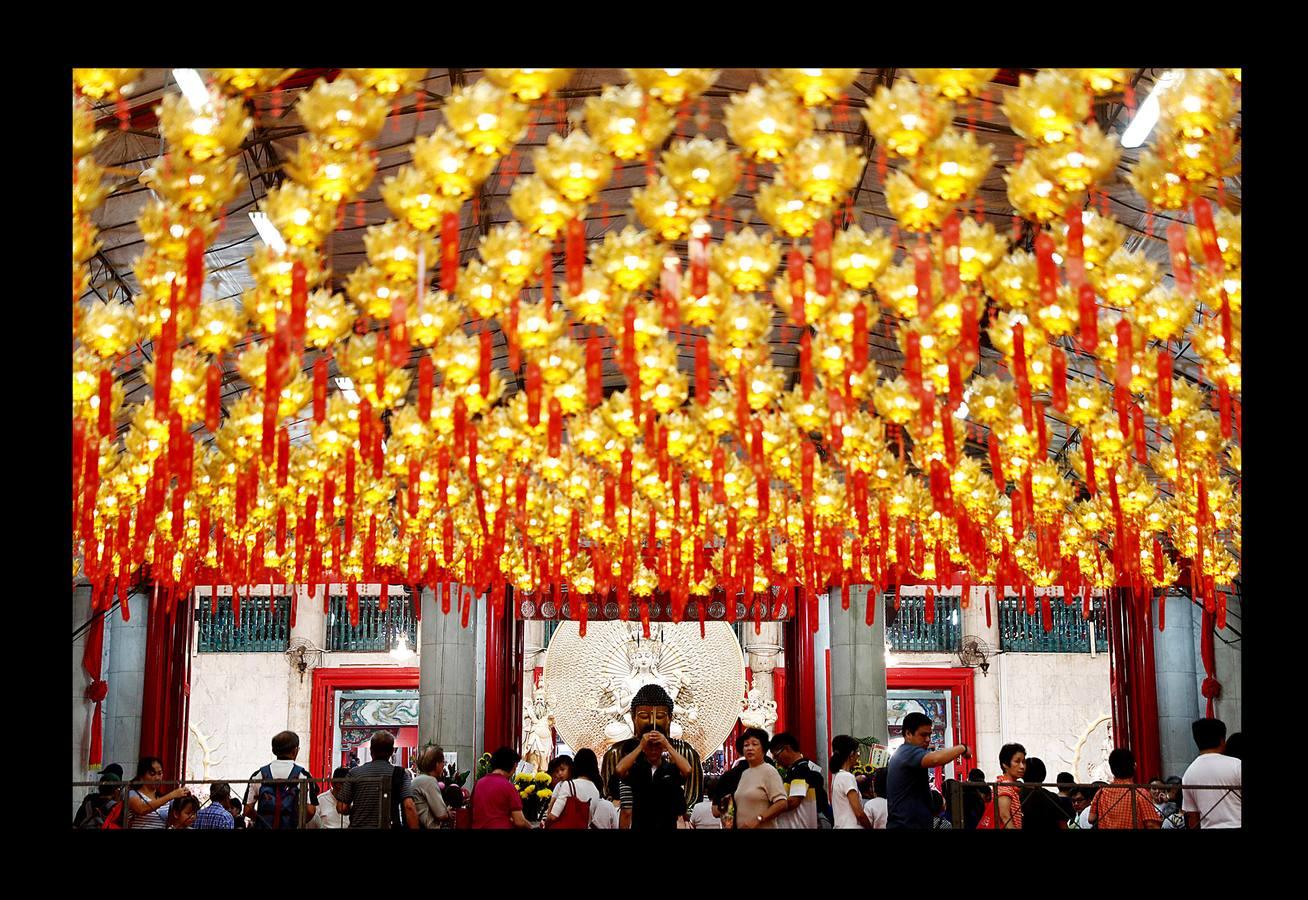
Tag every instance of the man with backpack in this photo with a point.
(360, 798)
(271, 801)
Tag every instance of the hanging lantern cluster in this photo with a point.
(672, 490)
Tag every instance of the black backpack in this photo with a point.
(278, 805)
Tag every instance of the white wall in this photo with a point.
(240, 700)
(1044, 701)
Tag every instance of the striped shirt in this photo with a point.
(1014, 794)
(153, 819)
(363, 790)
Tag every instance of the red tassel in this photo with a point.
(987, 608)
(555, 428)
(795, 271)
(1203, 220)
(213, 396)
(860, 338)
(949, 232)
(575, 255)
(703, 378)
(1089, 320)
(1058, 365)
(806, 362)
(485, 358)
(1180, 259)
(533, 394)
(594, 372)
(913, 362)
(1087, 445)
(194, 268)
(996, 464)
(822, 257)
(1164, 383)
(1125, 352)
(461, 426)
(1138, 427)
(425, 377)
(449, 252)
(1224, 407)
(1042, 439)
(106, 421)
(697, 249)
(670, 291)
(1046, 268)
(1075, 262)
(970, 341)
(283, 458)
(922, 275)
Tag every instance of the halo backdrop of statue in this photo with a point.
(589, 683)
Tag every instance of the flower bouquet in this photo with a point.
(534, 789)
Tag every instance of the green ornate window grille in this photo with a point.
(908, 631)
(377, 630)
(1023, 633)
(265, 625)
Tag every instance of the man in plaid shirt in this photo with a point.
(214, 814)
(1120, 807)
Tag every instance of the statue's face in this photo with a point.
(643, 718)
(643, 660)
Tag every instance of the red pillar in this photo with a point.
(166, 690)
(779, 692)
(504, 688)
(1133, 683)
(493, 727)
(801, 686)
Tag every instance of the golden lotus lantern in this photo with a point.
(451, 167)
(814, 87)
(1082, 161)
(1103, 81)
(101, 83)
(1153, 179)
(1164, 312)
(108, 329)
(858, 257)
(218, 326)
(394, 249)
(331, 173)
(203, 187)
(815, 304)
(624, 124)
(542, 209)
(953, 165)
(432, 318)
(1036, 196)
(591, 304)
(896, 401)
(513, 253)
(905, 118)
(1197, 103)
(1124, 277)
(241, 81)
(631, 259)
(1228, 229)
(341, 113)
(1047, 108)
(672, 87)
(215, 130)
(576, 166)
(746, 259)
(486, 118)
(410, 196)
(1100, 237)
(662, 210)
(955, 84)
(765, 123)
(824, 168)
(86, 137)
(301, 216)
(388, 83)
(327, 319)
(704, 172)
(783, 206)
(915, 207)
(980, 249)
(528, 85)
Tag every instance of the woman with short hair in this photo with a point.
(1008, 798)
(760, 795)
(432, 811)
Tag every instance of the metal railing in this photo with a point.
(82, 788)
(1023, 632)
(907, 629)
(1114, 804)
(376, 630)
(265, 625)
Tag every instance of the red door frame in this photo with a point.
(326, 682)
(958, 680)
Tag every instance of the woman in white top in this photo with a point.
(874, 792)
(146, 800)
(584, 786)
(846, 804)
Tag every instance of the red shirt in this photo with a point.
(1112, 806)
(494, 799)
(1013, 793)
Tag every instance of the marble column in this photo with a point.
(447, 686)
(125, 674)
(858, 667)
(763, 652)
(1178, 689)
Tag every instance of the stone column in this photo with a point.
(310, 624)
(447, 681)
(125, 674)
(858, 667)
(763, 651)
(1178, 688)
(83, 709)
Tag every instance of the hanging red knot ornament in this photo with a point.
(194, 268)
(822, 257)
(950, 233)
(574, 262)
(922, 277)
(795, 273)
(1089, 316)
(703, 377)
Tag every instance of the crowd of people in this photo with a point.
(654, 783)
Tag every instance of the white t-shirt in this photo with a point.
(877, 809)
(586, 791)
(1216, 808)
(841, 785)
(603, 814)
(701, 816)
(1083, 819)
(328, 817)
